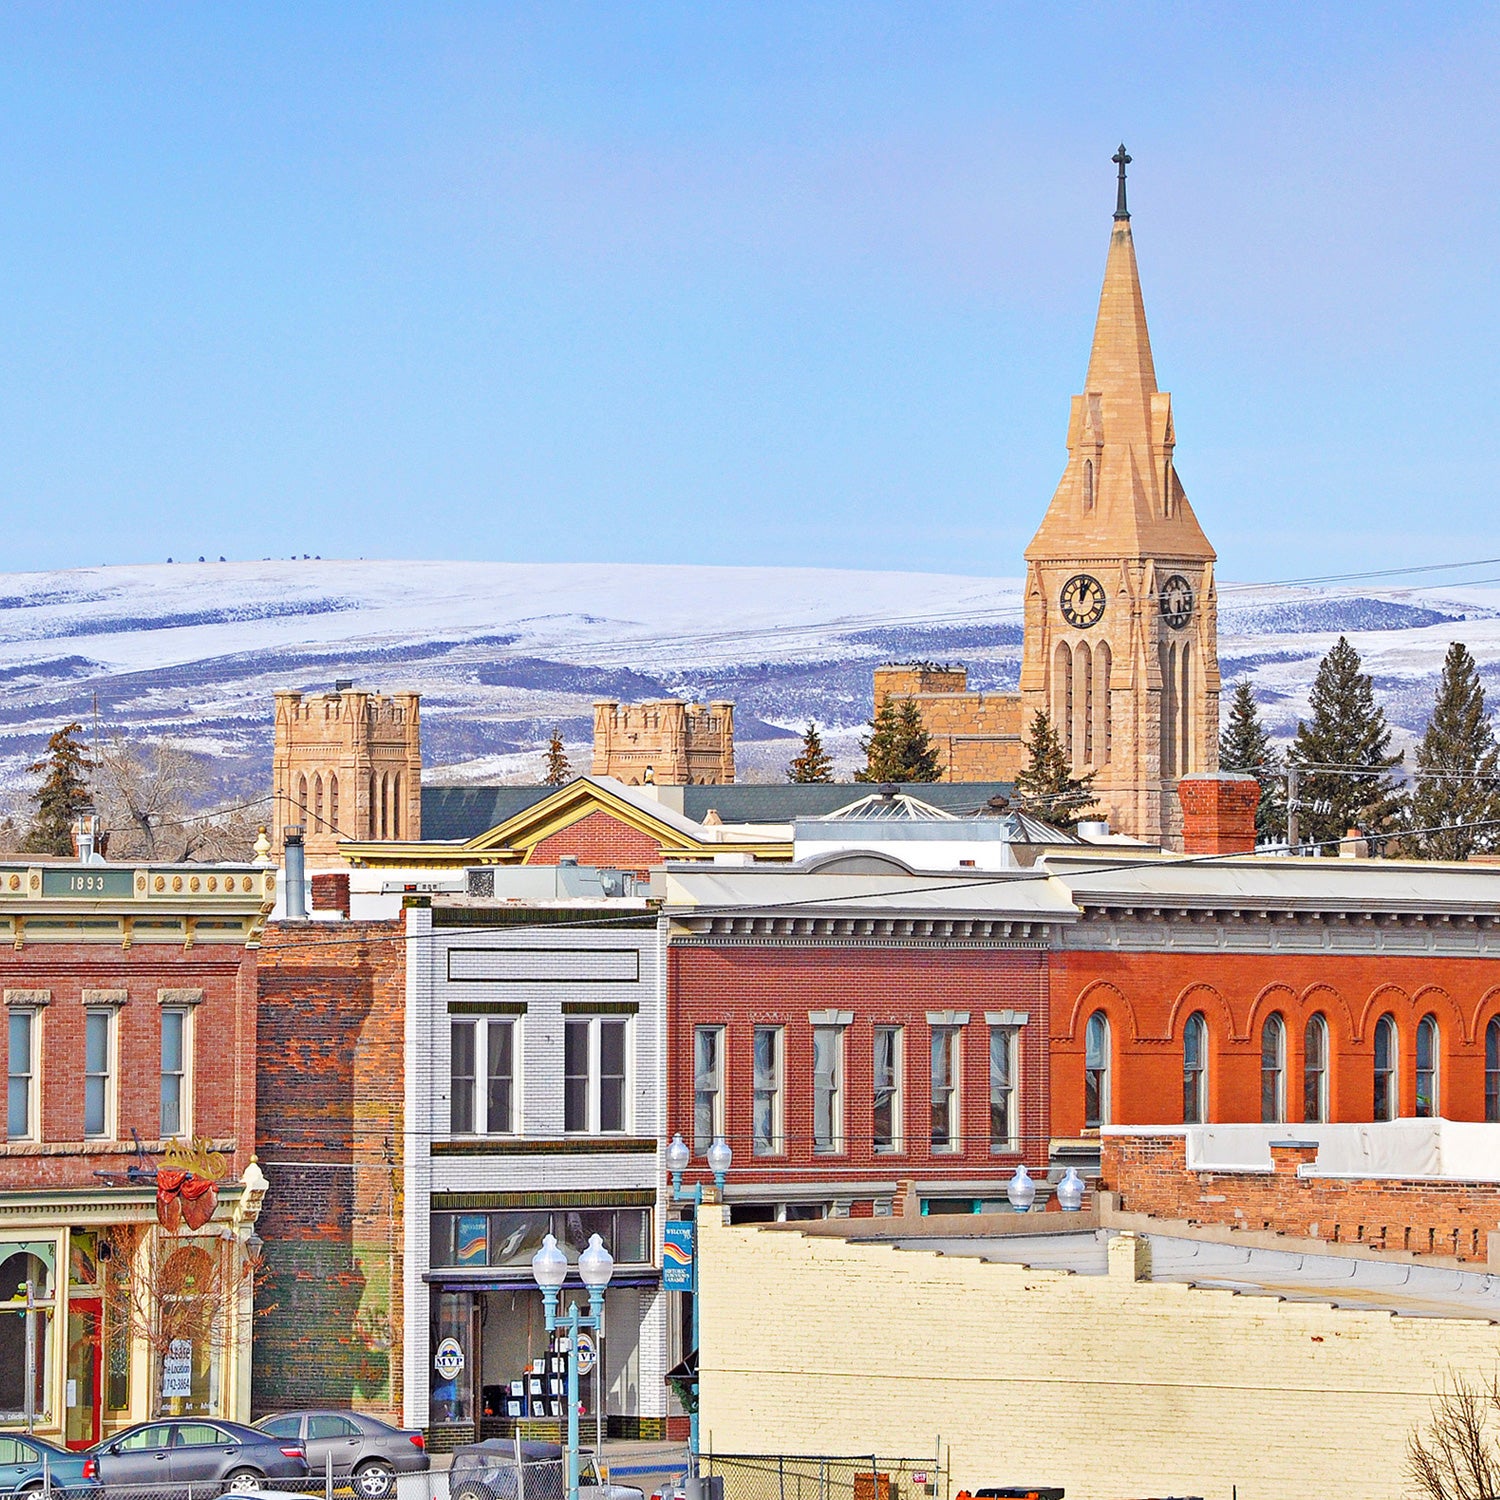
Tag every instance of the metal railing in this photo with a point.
(740, 1476)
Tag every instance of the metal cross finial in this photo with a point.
(1123, 159)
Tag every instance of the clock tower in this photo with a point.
(1121, 632)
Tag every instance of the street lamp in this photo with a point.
(1021, 1190)
(549, 1268)
(1070, 1192)
(720, 1157)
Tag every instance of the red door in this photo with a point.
(85, 1366)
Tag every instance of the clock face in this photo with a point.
(1177, 601)
(1082, 601)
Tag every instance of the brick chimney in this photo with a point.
(1218, 813)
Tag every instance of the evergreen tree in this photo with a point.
(558, 770)
(1046, 786)
(63, 794)
(814, 762)
(1344, 750)
(1245, 747)
(1457, 781)
(898, 747)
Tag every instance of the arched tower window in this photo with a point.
(1195, 1070)
(372, 813)
(1428, 1040)
(1088, 484)
(1492, 1071)
(1386, 1076)
(396, 806)
(302, 796)
(1096, 1072)
(1168, 654)
(1273, 1071)
(1103, 729)
(385, 806)
(1062, 697)
(1083, 701)
(1183, 708)
(317, 803)
(333, 802)
(1315, 1071)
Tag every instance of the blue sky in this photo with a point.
(762, 283)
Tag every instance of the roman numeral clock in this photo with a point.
(1082, 601)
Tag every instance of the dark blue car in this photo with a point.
(27, 1463)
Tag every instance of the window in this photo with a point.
(945, 1077)
(594, 1073)
(1004, 1124)
(767, 1111)
(828, 1089)
(1273, 1071)
(1492, 1071)
(1385, 1069)
(174, 1077)
(1096, 1099)
(888, 1133)
(20, 1082)
(1315, 1071)
(1195, 1070)
(708, 1086)
(330, 1425)
(482, 1049)
(1427, 1068)
(98, 1071)
(283, 1427)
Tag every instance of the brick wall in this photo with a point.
(740, 987)
(332, 1013)
(1432, 1216)
(977, 735)
(599, 839)
(1218, 813)
(223, 1030)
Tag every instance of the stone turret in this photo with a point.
(666, 741)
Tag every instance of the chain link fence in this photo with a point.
(741, 1476)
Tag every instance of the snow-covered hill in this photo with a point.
(504, 652)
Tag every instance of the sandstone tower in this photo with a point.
(665, 741)
(347, 765)
(1121, 634)
(977, 735)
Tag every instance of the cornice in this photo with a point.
(767, 930)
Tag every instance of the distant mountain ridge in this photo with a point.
(505, 652)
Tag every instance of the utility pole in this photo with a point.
(1293, 807)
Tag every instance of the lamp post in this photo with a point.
(549, 1268)
(720, 1158)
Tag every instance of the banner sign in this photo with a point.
(678, 1262)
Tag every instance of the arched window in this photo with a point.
(374, 832)
(385, 803)
(1492, 1071)
(1083, 667)
(317, 804)
(1103, 734)
(1168, 664)
(302, 796)
(1427, 1068)
(333, 802)
(1195, 1070)
(1315, 1071)
(1273, 1071)
(1096, 1072)
(15, 1271)
(1062, 697)
(1386, 1085)
(396, 806)
(1182, 707)
(1088, 484)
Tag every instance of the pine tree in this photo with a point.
(1245, 747)
(558, 770)
(1347, 734)
(63, 794)
(814, 762)
(1046, 787)
(1456, 778)
(898, 747)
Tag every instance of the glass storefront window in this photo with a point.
(510, 1237)
(574, 1226)
(452, 1388)
(21, 1265)
(516, 1235)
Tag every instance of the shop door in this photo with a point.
(85, 1365)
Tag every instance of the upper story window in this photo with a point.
(175, 1051)
(828, 1088)
(708, 1086)
(595, 1096)
(1427, 1067)
(947, 1070)
(1005, 1124)
(482, 1093)
(1385, 1100)
(99, 1072)
(1273, 1071)
(767, 1111)
(1195, 1070)
(1096, 1071)
(1315, 1071)
(888, 1111)
(1492, 1071)
(21, 1123)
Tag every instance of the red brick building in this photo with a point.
(129, 996)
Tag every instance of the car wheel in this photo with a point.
(240, 1481)
(471, 1492)
(374, 1480)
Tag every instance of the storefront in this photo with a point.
(493, 1363)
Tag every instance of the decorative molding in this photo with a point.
(593, 1145)
(1007, 1017)
(28, 997)
(784, 931)
(947, 1018)
(601, 1007)
(106, 997)
(450, 1202)
(179, 997)
(486, 1007)
(830, 1018)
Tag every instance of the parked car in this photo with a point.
(200, 1451)
(366, 1452)
(29, 1463)
(488, 1471)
